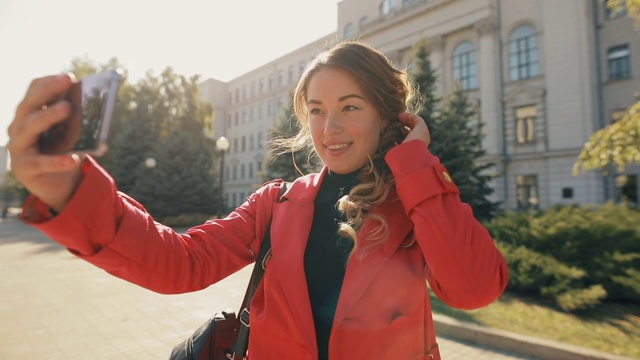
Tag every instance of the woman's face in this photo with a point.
(345, 126)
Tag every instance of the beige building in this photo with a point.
(546, 74)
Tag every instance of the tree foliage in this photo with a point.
(615, 145)
(618, 144)
(181, 181)
(160, 117)
(630, 7)
(456, 136)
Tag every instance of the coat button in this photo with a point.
(446, 177)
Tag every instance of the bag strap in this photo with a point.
(240, 347)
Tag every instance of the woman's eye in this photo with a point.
(315, 111)
(350, 108)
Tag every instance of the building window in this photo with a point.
(349, 30)
(242, 171)
(363, 22)
(244, 144)
(250, 170)
(526, 124)
(619, 62)
(387, 6)
(235, 173)
(627, 189)
(614, 13)
(226, 173)
(567, 193)
(301, 67)
(259, 165)
(228, 121)
(235, 145)
(527, 192)
(235, 120)
(523, 54)
(464, 66)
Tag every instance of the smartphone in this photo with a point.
(86, 130)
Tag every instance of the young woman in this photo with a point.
(352, 246)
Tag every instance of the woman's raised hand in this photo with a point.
(51, 178)
(418, 129)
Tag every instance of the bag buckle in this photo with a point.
(244, 317)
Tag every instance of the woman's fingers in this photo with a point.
(411, 120)
(35, 164)
(24, 132)
(43, 91)
(418, 128)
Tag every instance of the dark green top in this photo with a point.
(325, 258)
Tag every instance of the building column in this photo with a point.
(489, 76)
(436, 46)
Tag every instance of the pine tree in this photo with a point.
(454, 139)
(459, 147)
(425, 77)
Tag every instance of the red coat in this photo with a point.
(383, 311)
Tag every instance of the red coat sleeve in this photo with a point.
(114, 232)
(464, 267)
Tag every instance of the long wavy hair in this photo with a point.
(390, 91)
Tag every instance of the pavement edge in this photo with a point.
(516, 343)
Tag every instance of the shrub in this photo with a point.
(577, 255)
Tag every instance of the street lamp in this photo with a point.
(222, 145)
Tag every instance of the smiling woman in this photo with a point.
(351, 246)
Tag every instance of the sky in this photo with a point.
(211, 38)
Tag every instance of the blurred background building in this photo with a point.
(545, 74)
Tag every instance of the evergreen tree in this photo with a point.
(453, 137)
(425, 77)
(459, 147)
(283, 166)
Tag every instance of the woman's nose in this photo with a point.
(332, 126)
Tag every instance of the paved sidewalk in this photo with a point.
(55, 306)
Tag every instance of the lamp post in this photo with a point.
(222, 145)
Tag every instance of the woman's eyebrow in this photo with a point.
(343, 98)
(340, 99)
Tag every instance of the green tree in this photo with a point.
(288, 165)
(456, 136)
(182, 180)
(618, 144)
(156, 107)
(425, 78)
(460, 150)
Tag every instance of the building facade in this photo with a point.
(545, 75)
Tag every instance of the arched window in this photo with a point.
(387, 6)
(364, 21)
(523, 53)
(349, 30)
(464, 65)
